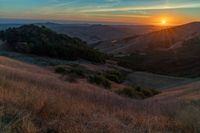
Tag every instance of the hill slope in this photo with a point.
(170, 38)
(173, 52)
(96, 33)
(36, 100)
(93, 33)
(42, 41)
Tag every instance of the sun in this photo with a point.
(163, 22)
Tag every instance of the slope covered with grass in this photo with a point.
(34, 99)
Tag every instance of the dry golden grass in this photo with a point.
(34, 100)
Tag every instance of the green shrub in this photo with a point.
(77, 71)
(130, 92)
(99, 80)
(126, 92)
(138, 93)
(154, 91)
(114, 76)
(60, 70)
(147, 92)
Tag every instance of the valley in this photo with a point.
(99, 66)
(41, 83)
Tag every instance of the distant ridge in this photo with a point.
(158, 40)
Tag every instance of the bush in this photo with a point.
(126, 92)
(147, 92)
(77, 71)
(99, 80)
(114, 76)
(60, 70)
(130, 92)
(73, 73)
(154, 91)
(138, 93)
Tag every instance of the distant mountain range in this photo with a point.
(166, 39)
(94, 33)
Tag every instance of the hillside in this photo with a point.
(181, 56)
(35, 99)
(184, 62)
(167, 39)
(95, 33)
(31, 39)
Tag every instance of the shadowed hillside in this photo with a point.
(182, 62)
(31, 39)
(173, 52)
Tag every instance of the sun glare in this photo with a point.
(163, 22)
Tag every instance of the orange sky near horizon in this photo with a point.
(141, 12)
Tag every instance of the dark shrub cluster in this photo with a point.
(80, 72)
(73, 73)
(115, 76)
(60, 70)
(99, 80)
(42, 41)
(138, 93)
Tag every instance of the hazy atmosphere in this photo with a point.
(99, 66)
(112, 11)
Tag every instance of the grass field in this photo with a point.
(34, 99)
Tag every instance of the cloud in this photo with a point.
(143, 8)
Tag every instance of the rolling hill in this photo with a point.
(41, 41)
(93, 33)
(166, 39)
(35, 99)
(73, 96)
(173, 51)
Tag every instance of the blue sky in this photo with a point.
(119, 11)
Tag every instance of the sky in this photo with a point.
(172, 12)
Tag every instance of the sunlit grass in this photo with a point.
(30, 95)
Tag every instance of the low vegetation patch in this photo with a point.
(114, 76)
(99, 80)
(60, 70)
(138, 93)
(182, 64)
(80, 72)
(72, 73)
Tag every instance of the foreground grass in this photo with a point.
(35, 100)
